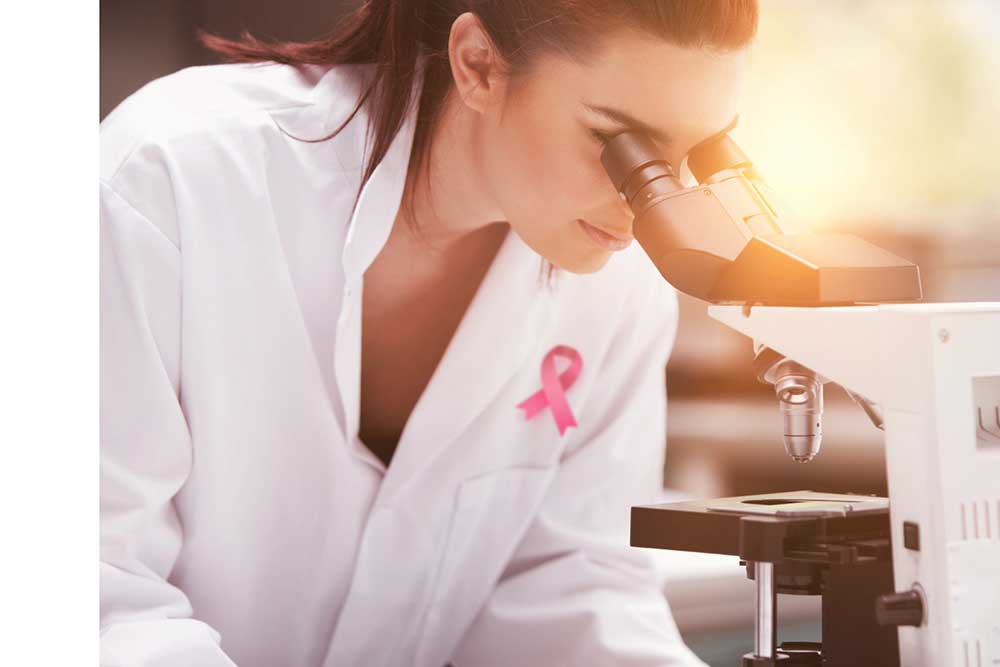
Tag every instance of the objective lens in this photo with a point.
(800, 398)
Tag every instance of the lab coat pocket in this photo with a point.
(491, 514)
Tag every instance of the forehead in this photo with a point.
(688, 93)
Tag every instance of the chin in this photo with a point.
(582, 263)
(573, 257)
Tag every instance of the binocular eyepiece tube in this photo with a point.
(634, 163)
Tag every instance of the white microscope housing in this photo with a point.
(934, 370)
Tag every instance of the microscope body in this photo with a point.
(935, 371)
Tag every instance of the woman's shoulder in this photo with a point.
(204, 100)
(210, 129)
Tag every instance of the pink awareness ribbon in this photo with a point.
(553, 391)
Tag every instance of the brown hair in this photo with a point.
(393, 34)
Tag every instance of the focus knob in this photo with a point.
(900, 608)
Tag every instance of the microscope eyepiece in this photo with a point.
(714, 155)
(626, 153)
(633, 162)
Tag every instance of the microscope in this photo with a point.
(913, 579)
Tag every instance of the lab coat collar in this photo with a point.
(377, 206)
(379, 199)
(333, 96)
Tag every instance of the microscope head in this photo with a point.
(723, 240)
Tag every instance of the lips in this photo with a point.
(621, 236)
(613, 240)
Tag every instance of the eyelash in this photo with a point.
(601, 137)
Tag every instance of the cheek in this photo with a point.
(544, 178)
(546, 171)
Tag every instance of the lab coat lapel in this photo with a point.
(367, 233)
(510, 312)
(334, 99)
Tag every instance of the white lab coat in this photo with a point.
(242, 520)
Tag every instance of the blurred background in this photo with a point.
(876, 118)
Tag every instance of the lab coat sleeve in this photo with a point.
(145, 449)
(574, 592)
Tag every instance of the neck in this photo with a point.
(445, 202)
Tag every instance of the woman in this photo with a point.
(295, 252)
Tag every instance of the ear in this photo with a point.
(476, 66)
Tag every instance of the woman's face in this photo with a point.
(541, 145)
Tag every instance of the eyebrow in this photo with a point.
(622, 118)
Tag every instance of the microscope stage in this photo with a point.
(774, 522)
